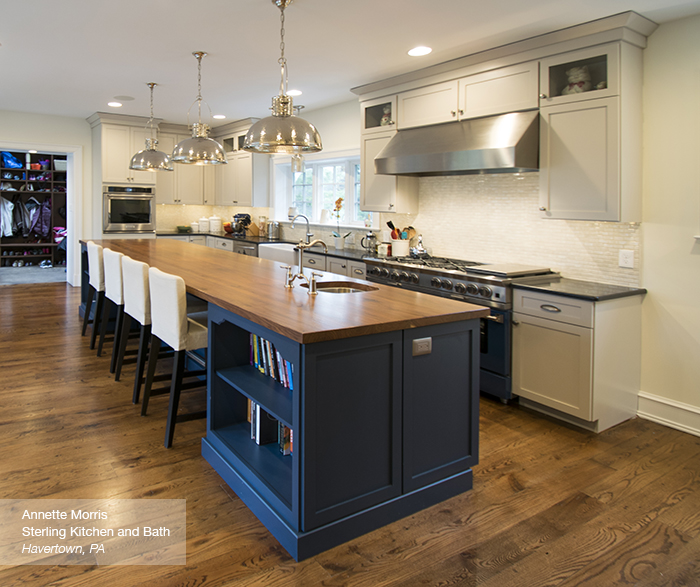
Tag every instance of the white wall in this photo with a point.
(59, 134)
(671, 256)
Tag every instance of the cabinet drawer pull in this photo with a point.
(550, 308)
(492, 318)
(311, 261)
(358, 272)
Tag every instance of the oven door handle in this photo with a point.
(498, 318)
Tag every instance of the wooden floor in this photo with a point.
(551, 505)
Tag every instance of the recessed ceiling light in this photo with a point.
(219, 116)
(294, 93)
(114, 104)
(419, 51)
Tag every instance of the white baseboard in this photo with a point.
(673, 414)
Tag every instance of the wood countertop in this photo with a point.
(254, 289)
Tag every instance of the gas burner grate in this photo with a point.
(436, 262)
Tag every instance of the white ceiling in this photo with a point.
(70, 57)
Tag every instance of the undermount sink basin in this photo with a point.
(341, 287)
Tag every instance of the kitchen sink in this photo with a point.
(341, 287)
(280, 252)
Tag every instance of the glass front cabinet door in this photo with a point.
(580, 75)
(378, 115)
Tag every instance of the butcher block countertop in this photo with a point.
(254, 289)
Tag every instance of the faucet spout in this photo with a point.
(308, 231)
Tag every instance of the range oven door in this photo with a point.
(495, 355)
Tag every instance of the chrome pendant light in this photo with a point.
(283, 132)
(150, 159)
(199, 149)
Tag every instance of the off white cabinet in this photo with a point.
(245, 181)
(186, 184)
(497, 91)
(590, 141)
(315, 261)
(117, 145)
(575, 359)
(378, 115)
(384, 193)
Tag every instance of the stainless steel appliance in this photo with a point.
(240, 223)
(272, 230)
(128, 209)
(476, 283)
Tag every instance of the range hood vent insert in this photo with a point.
(507, 143)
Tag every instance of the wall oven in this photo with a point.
(128, 209)
(468, 281)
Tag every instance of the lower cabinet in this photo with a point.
(345, 267)
(575, 359)
(315, 261)
(369, 445)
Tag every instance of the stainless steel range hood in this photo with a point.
(507, 143)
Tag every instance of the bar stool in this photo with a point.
(137, 306)
(114, 297)
(97, 286)
(183, 333)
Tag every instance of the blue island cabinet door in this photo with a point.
(351, 414)
(440, 403)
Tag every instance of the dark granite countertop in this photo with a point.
(585, 290)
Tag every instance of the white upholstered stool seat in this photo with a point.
(172, 325)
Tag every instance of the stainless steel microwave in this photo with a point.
(128, 209)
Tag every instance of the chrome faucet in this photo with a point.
(291, 276)
(309, 234)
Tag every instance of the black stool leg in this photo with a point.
(117, 339)
(175, 389)
(126, 327)
(106, 310)
(88, 307)
(96, 320)
(152, 360)
(141, 361)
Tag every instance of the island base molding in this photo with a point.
(302, 545)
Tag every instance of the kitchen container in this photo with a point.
(194, 226)
(399, 248)
(204, 224)
(215, 224)
(272, 230)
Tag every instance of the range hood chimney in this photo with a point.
(507, 143)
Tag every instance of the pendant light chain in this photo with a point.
(282, 60)
(199, 86)
(150, 120)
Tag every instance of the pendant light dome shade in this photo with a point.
(150, 158)
(199, 149)
(283, 132)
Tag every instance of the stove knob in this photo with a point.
(472, 289)
(446, 284)
(461, 288)
(436, 282)
(394, 275)
(384, 272)
(485, 291)
(403, 276)
(414, 278)
(373, 271)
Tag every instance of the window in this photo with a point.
(315, 191)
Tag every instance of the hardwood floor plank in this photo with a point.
(552, 505)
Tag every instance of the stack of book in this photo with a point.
(265, 429)
(267, 359)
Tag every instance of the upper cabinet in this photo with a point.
(384, 193)
(590, 134)
(506, 89)
(186, 184)
(245, 181)
(113, 147)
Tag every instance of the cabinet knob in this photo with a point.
(514, 322)
(461, 112)
(391, 206)
(543, 209)
(453, 112)
(543, 96)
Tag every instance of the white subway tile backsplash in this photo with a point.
(496, 218)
